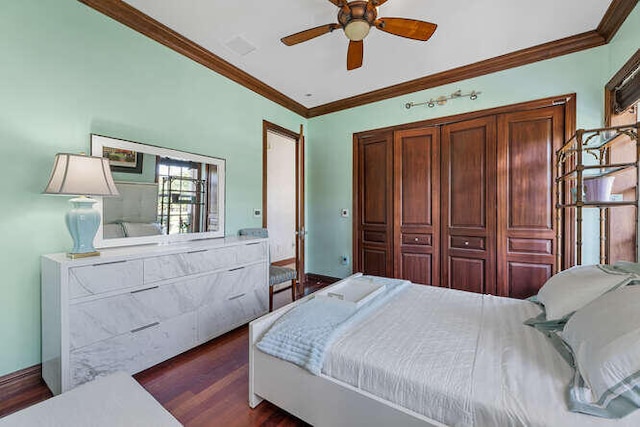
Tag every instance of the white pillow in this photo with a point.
(576, 287)
(605, 339)
(112, 231)
(140, 229)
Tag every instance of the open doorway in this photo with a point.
(283, 199)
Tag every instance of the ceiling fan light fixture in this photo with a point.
(357, 30)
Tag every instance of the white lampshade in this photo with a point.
(79, 175)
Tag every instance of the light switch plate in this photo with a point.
(257, 212)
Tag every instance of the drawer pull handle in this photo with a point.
(109, 263)
(251, 244)
(133, 331)
(236, 269)
(237, 296)
(145, 289)
(197, 252)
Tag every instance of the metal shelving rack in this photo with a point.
(571, 173)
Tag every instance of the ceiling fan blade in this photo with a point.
(355, 55)
(409, 28)
(376, 3)
(305, 35)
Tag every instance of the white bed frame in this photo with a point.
(319, 400)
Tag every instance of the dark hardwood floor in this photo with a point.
(206, 386)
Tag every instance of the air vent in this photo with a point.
(240, 46)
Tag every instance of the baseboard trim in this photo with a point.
(21, 379)
(26, 374)
(21, 389)
(312, 277)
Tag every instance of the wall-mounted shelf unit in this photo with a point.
(584, 163)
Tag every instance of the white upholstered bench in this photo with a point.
(113, 401)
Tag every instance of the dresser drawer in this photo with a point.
(238, 280)
(98, 320)
(99, 278)
(178, 265)
(242, 295)
(249, 306)
(134, 351)
(225, 284)
(222, 316)
(251, 252)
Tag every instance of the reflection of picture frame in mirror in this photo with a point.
(121, 160)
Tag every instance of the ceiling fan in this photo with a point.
(356, 19)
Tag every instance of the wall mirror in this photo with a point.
(165, 195)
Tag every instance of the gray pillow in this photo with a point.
(604, 337)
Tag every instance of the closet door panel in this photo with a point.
(374, 262)
(527, 142)
(469, 205)
(373, 166)
(528, 277)
(468, 274)
(467, 175)
(416, 267)
(416, 205)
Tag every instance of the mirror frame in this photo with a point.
(100, 141)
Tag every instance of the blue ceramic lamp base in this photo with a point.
(83, 221)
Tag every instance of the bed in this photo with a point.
(430, 357)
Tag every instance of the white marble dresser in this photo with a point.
(131, 308)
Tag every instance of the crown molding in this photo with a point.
(540, 52)
(615, 16)
(144, 24)
(127, 15)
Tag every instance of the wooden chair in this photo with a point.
(277, 274)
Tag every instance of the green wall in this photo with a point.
(66, 72)
(330, 137)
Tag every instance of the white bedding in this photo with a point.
(462, 359)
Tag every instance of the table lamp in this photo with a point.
(83, 176)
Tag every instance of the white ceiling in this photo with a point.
(468, 31)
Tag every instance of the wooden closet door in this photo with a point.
(527, 142)
(469, 205)
(416, 205)
(373, 234)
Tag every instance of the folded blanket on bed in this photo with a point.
(304, 334)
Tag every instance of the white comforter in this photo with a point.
(462, 359)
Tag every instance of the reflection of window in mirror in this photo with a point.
(181, 196)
